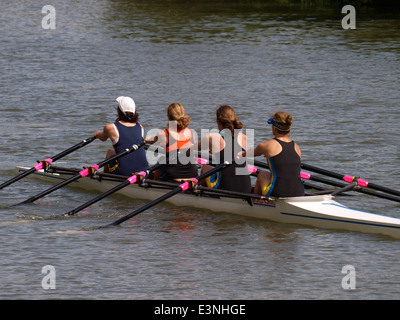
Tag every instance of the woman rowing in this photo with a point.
(224, 145)
(125, 132)
(176, 137)
(284, 161)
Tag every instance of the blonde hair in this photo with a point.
(228, 119)
(176, 112)
(284, 120)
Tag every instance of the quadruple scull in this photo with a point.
(320, 211)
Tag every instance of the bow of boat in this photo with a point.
(325, 212)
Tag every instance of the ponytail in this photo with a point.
(227, 118)
(176, 112)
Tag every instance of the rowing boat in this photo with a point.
(320, 211)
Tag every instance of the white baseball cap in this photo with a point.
(126, 104)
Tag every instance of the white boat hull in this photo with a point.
(317, 211)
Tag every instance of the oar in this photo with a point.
(182, 187)
(359, 187)
(360, 182)
(209, 191)
(356, 187)
(85, 172)
(47, 162)
(131, 180)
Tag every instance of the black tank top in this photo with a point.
(132, 162)
(229, 179)
(285, 169)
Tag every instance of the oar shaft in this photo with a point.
(362, 184)
(356, 188)
(347, 178)
(218, 192)
(51, 189)
(184, 186)
(73, 148)
(18, 177)
(119, 155)
(144, 207)
(384, 189)
(98, 198)
(123, 184)
(82, 173)
(39, 166)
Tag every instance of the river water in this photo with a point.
(58, 86)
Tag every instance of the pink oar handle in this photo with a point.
(186, 185)
(39, 166)
(85, 172)
(360, 182)
(251, 169)
(202, 161)
(133, 178)
(305, 175)
(347, 178)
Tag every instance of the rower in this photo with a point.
(176, 137)
(125, 132)
(223, 145)
(283, 158)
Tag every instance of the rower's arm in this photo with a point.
(108, 132)
(253, 152)
(160, 139)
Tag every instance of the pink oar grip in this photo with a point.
(348, 179)
(39, 166)
(184, 186)
(85, 172)
(252, 169)
(305, 175)
(362, 183)
(202, 161)
(133, 178)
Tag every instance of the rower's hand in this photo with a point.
(151, 140)
(239, 155)
(98, 133)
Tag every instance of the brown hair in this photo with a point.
(226, 116)
(283, 120)
(176, 112)
(127, 116)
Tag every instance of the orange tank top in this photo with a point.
(179, 139)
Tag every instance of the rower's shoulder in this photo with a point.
(269, 148)
(269, 143)
(108, 127)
